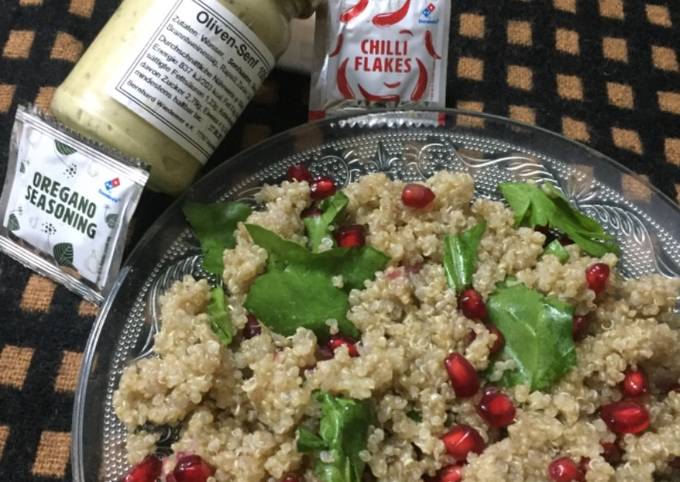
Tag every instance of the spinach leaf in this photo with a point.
(556, 249)
(356, 265)
(537, 331)
(460, 257)
(214, 225)
(546, 206)
(320, 227)
(220, 321)
(343, 431)
(285, 300)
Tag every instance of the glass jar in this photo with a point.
(164, 81)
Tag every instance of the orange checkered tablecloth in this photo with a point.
(603, 72)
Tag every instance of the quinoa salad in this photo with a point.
(399, 332)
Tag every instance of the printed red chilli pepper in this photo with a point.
(406, 32)
(429, 45)
(421, 85)
(353, 12)
(343, 84)
(392, 18)
(378, 98)
(338, 46)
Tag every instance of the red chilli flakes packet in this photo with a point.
(380, 53)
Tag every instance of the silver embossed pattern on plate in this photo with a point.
(493, 150)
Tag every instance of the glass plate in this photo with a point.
(404, 145)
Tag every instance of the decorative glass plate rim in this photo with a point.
(387, 118)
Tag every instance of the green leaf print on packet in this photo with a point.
(214, 225)
(13, 223)
(111, 220)
(343, 434)
(63, 254)
(64, 149)
(538, 334)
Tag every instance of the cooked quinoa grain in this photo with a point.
(238, 407)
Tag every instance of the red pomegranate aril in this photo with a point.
(450, 473)
(417, 196)
(674, 463)
(148, 470)
(322, 188)
(564, 469)
(634, 383)
(472, 305)
(337, 341)
(462, 440)
(350, 236)
(462, 375)
(500, 339)
(192, 468)
(579, 327)
(299, 173)
(252, 328)
(597, 276)
(496, 409)
(323, 353)
(310, 212)
(625, 416)
(611, 452)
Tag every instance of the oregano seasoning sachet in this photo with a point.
(66, 205)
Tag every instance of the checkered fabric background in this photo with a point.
(603, 72)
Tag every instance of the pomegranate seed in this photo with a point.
(496, 408)
(252, 328)
(337, 341)
(461, 440)
(597, 276)
(611, 452)
(472, 305)
(299, 173)
(625, 416)
(500, 339)
(470, 337)
(310, 212)
(583, 465)
(350, 236)
(634, 383)
(323, 353)
(450, 473)
(191, 468)
(291, 478)
(417, 196)
(322, 188)
(564, 469)
(462, 375)
(674, 463)
(579, 327)
(148, 470)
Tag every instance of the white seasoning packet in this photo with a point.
(66, 205)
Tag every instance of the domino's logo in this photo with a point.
(112, 184)
(428, 14)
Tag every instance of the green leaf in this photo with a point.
(546, 206)
(556, 249)
(355, 265)
(13, 223)
(214, 225)
(537, 331)
(220, 321)
(414, 415)
(460, 257)
(63, 254)
(63, 149)
(343, 432)
(308, 442)
(287, 300)
(111, 220)
(320, 227)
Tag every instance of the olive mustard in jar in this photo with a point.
(165, 80)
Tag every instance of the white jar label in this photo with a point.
(195, 74)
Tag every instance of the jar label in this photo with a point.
(195, 74)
